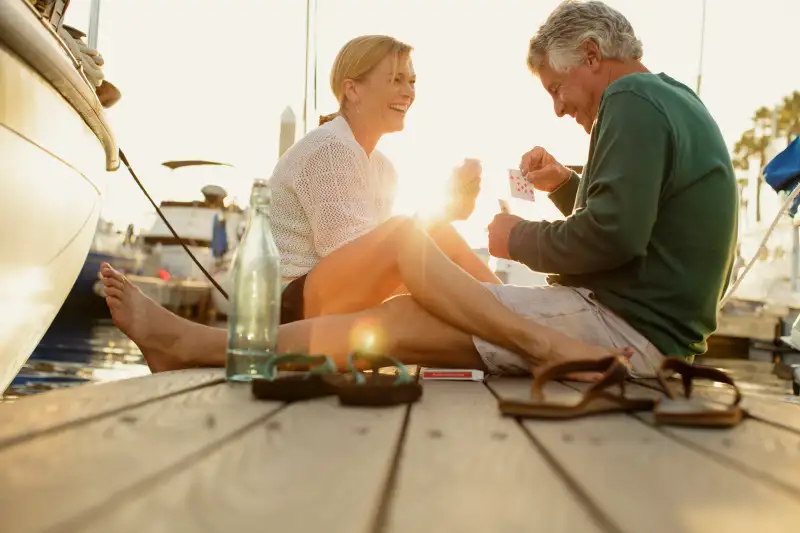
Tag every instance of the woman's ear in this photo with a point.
(351, 92)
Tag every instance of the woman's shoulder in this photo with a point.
(325, 138)
(315, 147)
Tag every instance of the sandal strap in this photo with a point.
(323, 364)
(377, 361)
(689, 372)
(613, 367)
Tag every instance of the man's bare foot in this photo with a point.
(554, 347)
(157, 332)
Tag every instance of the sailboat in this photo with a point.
(56, 149)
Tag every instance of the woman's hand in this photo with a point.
(464, 186)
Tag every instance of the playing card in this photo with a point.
(452, 374)
(520, 188)
(504, 208)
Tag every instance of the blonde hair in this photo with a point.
(357, 59)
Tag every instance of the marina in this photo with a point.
(92, 441)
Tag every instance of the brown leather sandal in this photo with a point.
(695, 411)
(595, 400)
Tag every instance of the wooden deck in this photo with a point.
(187, 452)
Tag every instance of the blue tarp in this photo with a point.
(783, 172)
(219, 237)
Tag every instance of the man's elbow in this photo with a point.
(623, 250)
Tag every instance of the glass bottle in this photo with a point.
(255, 296)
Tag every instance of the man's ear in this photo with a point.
(591, 54)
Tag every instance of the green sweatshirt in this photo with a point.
(651, 227)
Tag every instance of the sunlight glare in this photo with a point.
(367, 336)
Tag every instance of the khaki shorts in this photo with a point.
(574, 312)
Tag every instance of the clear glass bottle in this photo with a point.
(255, 295)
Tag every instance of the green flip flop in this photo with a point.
(296, 386)
(356, 388)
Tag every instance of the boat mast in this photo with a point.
(702, 46)
(311, 51)
(94, 21)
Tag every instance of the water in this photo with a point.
(78, 349)
(244, 365)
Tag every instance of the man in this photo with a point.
(650, 228)
(641, 259)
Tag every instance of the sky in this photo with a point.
(209, 80)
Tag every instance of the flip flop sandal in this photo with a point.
(378, 389)
(296, 386)
(697, 411)
(595, 400)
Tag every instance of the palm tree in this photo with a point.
(753, 144)
(789, 117)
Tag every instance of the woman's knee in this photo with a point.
(404, 228)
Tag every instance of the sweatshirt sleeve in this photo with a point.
(625, 178)
(564, 196)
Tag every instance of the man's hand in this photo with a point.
(542, 170)
(464, 186)
(499, 234)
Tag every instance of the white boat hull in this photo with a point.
(52, 177)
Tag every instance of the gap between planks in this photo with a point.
(766, 452)
(646, 481)
(67, 408)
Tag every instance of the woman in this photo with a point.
(332, 192)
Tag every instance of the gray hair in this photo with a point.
(574, 22)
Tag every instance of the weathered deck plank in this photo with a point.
(62, 477)
(775, 412)
(756, 448)
(314, 466)
(46, 412)
(465, 468)
(772, 410)
(646, 481)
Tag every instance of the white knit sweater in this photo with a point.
(327, 192)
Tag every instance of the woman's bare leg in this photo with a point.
(398, 327)
(449, 293)
(456, 248)
(400, 252)
(440, 287)
(364, 272)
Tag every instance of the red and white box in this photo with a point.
(452, 374)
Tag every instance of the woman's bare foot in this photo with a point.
(157, 332)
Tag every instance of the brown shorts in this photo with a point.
(292, 307)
